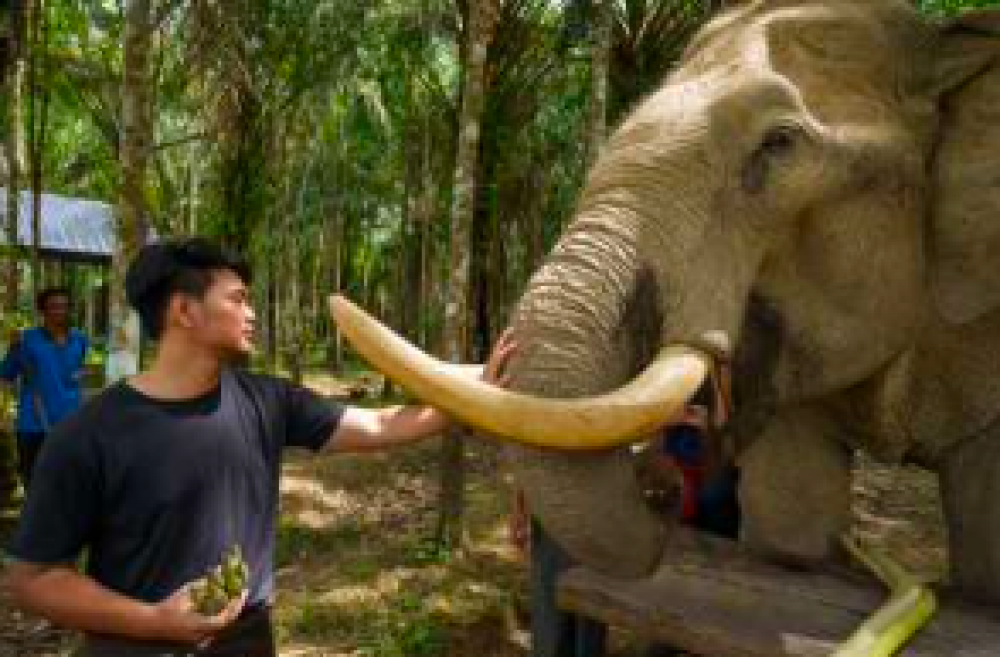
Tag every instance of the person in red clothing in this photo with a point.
(682, 456)
(705, 476)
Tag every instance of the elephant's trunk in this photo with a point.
(589, 320)
(590, 372)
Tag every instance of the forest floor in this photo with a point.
(358, 575)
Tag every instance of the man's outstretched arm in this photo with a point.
(363, 429)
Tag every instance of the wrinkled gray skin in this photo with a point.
(821, 180)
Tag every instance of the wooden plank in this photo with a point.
(713, 599)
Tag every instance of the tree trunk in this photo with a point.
(272, 293)
(244, 167)
(271, 319)
(336, 356)
(599, 55)
(424, 331)
(427, 213)
(134, 151)
(12, 74)
(482, 247)
(34, 12)
(297, 273)
(194, 190)
(334, 222)
(533, 223)
(413, 214)
(497, 281)
(13, 85)
(481, 21)
(316, 332)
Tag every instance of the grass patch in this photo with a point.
(296, 541)
(360, 575)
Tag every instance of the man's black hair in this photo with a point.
(169, 267)
(42, 299)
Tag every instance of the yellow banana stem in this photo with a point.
(909, 607)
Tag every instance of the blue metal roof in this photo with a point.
(70, 226)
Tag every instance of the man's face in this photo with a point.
(55, 311)
(223, 319)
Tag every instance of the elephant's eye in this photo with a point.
(778, 142)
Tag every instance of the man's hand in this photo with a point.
(178, 621)
(66, 597)
(694, 415)
(503, 349)
(362, 429)
(14, 338)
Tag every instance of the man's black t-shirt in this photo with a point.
(159, 490)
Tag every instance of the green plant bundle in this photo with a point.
(221, 585)
(910, 606)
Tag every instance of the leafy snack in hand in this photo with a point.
(221, 585)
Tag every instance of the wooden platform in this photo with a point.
(714, 600)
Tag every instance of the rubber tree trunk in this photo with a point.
(336, 227)
(13, 85)
(480, 23)
(37, 97)
(597, 127)
(12, 72)
(428, 211)
(134, 150)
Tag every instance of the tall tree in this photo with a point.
(480, 22)
(648, 37)
(38, 101)
(12, 80)
(597, 124)
(13, 85)
(134, 151)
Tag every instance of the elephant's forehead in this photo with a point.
(847, 58)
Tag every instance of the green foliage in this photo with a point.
(421, 638)
(293, 129)
(222, 584)
(952, 7)
(403, 627)
(426, 551)
(296, 541)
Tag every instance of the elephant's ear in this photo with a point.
(964, 233)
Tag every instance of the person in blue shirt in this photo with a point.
(48, 361)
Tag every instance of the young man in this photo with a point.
(48, 360)
(162, 474)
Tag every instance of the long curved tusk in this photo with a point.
(656, 396)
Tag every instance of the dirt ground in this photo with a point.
(357, 575)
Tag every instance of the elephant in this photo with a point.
(812, 194)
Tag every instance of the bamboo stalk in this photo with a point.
(910, 605)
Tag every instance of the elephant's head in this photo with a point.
(816, 181)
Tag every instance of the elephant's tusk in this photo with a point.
(909, 607)
(657, 395)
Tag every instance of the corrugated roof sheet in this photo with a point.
(73, 226)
